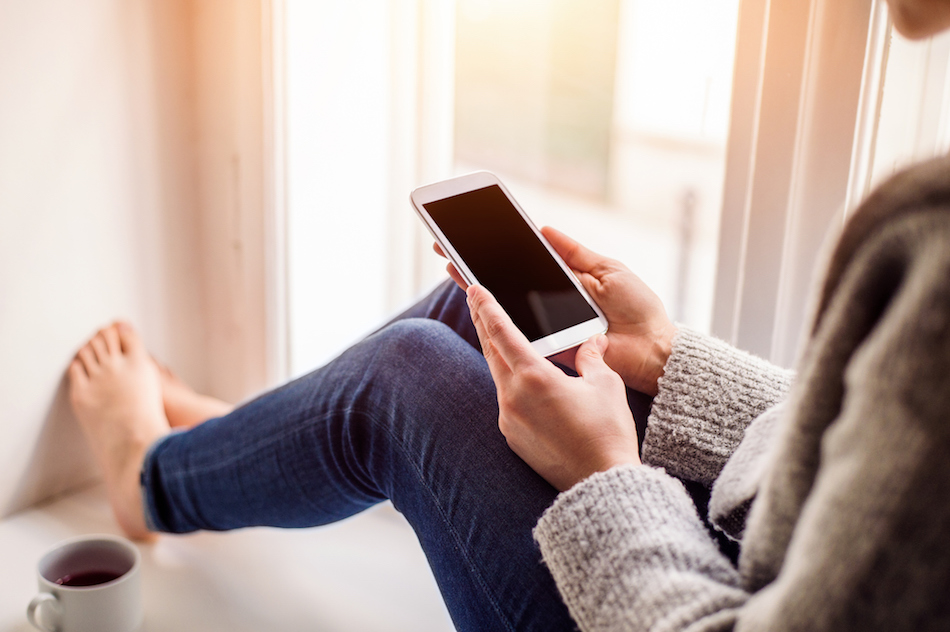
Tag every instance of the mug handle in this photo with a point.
(43, 597)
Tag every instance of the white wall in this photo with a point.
(98, 218)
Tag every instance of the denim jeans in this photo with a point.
(408, 414)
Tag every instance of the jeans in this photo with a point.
(408, 414)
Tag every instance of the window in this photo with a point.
(608, 120)
(826, 101)
(710, 146)
(914, 118)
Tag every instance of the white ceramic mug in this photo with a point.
(89, 584)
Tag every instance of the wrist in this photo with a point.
(647, 373)
(607, 462)
(662, 350)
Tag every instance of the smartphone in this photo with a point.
(492, 242)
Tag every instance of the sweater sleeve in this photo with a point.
(847, 532)
(641, 522)
(709, 393)
(628, 552)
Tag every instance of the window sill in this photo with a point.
(366, 574)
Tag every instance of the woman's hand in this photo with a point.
(640, 333)
(565, 428)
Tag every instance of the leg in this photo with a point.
(409, 414)
(446, 304)
(184, 407)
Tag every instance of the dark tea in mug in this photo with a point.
(88, 578)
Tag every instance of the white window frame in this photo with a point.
(798, 117)
(422, 132)
(418, 139)
(273, 70)
(806, 97)
(796, 122)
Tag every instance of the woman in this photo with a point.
(836, 487)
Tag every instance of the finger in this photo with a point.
(591, 283)
(589, 360)
(575, 255)
(454, 273)
(494, 327)
(438, 249)
(499, 369)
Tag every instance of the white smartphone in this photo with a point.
(492, 242)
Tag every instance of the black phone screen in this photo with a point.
(506, 256)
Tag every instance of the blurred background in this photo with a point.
(233, 177)
(608, 120)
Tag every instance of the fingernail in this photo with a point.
(601, 342)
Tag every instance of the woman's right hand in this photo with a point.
(640, 332)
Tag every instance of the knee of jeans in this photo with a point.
(422, 344)
(421, 362)
(417, 335)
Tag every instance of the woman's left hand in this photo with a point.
(566, 428)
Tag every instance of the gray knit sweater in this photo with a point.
(840, 496)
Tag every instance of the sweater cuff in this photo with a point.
(620, 544)
(709, 393)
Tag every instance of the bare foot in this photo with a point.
(183, 406)
(116, 394)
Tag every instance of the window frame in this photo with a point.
(804, 74)
(806, 96)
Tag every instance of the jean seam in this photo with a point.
(377, 423)
(455, 536)
(145, 478)
(232, 458)
(476, 572)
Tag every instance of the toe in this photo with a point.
(78, 383)
(167, 373)
(77, 373)
(88, 359)
(111, 336)
(162, 369)
(131, 343)
(99, 347)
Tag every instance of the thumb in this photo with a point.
(590, 356)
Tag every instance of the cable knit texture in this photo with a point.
(846, 485)
(738, 484)
(641, 520)
(709, 393)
